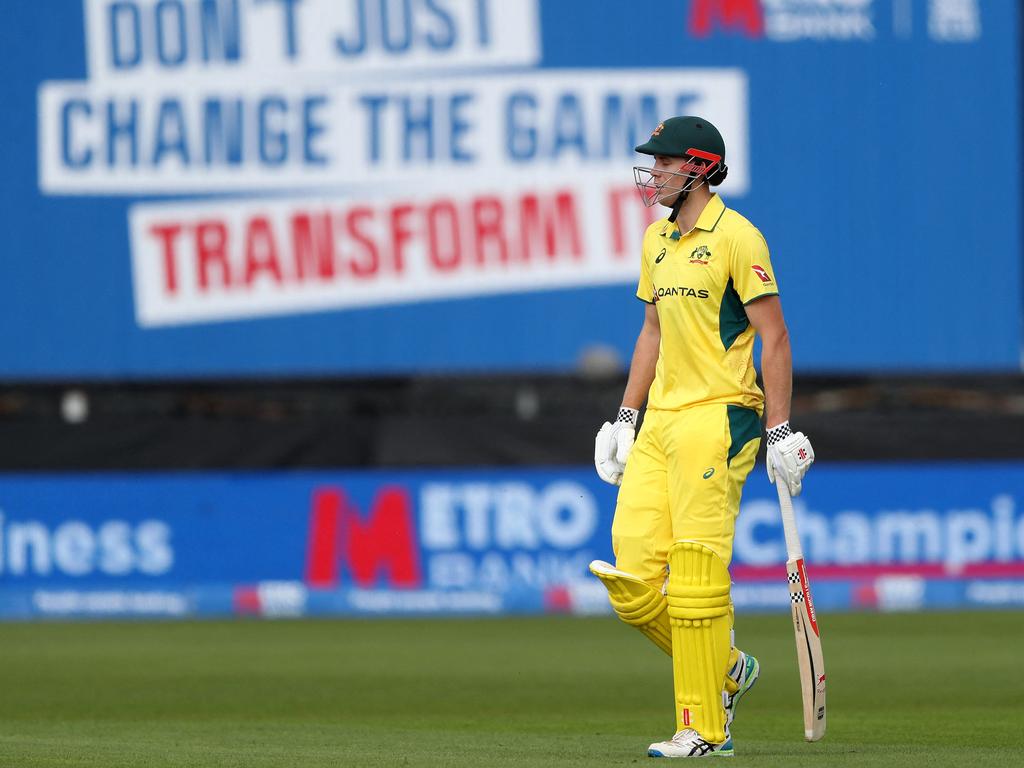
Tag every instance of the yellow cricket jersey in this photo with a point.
(700, 282)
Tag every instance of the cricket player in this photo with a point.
(708, 285)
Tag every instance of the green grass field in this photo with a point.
(915, 690)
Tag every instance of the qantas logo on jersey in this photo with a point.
(680, 290)
(762, 273)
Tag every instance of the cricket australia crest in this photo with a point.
(700, 255)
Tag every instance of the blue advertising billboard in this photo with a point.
(892, 537)
(253, 187)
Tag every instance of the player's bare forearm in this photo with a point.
(765, 315)
(645, 360)
(777, 371)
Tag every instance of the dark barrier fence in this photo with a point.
(465, 421)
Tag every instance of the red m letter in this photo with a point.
(739, 14)
(383, 545)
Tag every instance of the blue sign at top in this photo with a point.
(245, 188)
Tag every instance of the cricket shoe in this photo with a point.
(688, 743)
(745, 673)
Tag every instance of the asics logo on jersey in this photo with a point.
(660, 256)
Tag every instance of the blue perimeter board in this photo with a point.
(875, 537)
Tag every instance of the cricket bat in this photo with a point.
(805, 623)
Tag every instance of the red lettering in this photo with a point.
(384, 545)
(366, 262)
(322, 553)
(168, 233)
(488, 231)
(625, 207)
(443, 235)
(550, 219)
(386, 542)
(261, 251)
(400, 235)
(211, 251)
(744, 15)
(313, 245)
(616, 198)
(247, 601)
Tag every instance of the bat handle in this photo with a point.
(793, 549)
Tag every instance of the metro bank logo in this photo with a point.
(743, 16)
(784, 20)
(480, 534)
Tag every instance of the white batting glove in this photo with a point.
(789, 456)
(611, 449)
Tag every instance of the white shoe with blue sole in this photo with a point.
(688, 743)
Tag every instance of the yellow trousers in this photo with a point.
(683, 480)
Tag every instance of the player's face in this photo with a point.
(663, 181)
(665, 173)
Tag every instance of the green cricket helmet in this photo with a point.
(701, 150)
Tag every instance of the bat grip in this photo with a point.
(793, 549)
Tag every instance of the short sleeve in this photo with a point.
(751, 267)
(645, 288)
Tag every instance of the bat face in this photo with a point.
(808, 650)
